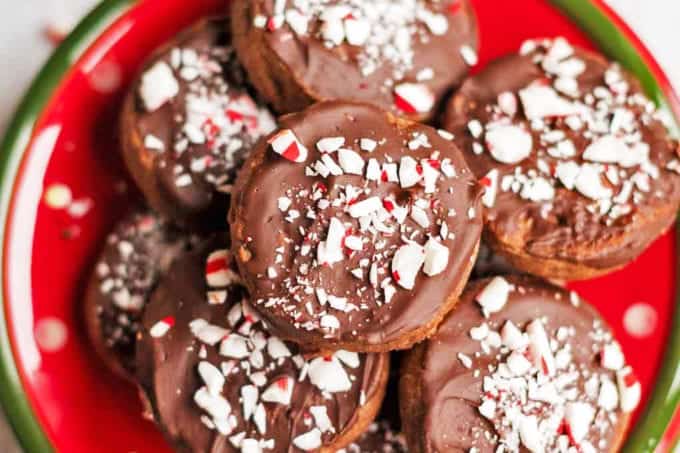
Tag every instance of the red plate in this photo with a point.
(53, 387)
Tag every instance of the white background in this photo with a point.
(23, 49)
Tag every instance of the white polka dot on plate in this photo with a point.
(51, 334)
(640, 320)
(57, 196)
(106, 77)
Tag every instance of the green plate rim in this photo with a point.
(590, 15)
(15, 402)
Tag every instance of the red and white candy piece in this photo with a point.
(218, 272)
(578, 417)
(328, 374)
(509, 144)
(490, 183)
(406, 264)
(286, 144)
(539, 348)
(409, 173)
(162, 327)
(629, 389)
(280, 391)
(330, 251)
(493, 297)
(413, 97)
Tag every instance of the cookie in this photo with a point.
(136, 253)
(354, 229)
(188, 123)
(580, 172)
(518, 365)
(216, 380)
(401, 55)
(379, 438)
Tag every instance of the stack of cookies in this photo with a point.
(290, 281)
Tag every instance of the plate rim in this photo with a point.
(594, 17)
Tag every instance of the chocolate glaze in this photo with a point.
(451, 392)
(168, 377)
(570, 232)
(189, 180)
(259, 228)
(324, 73)
(135, 255)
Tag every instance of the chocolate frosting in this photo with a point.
(278, 253)
(198, 138)
(135, 255)
(335, 72)
(170, 376)
(570, 227)
(452, 392)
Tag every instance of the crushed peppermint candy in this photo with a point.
(542, 388)
(595, 140)
(216, 121)
(364, 222)
(135, 256)
(385, 33)
(246, 375)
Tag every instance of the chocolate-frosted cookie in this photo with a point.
(580, 172)
(188, 123)
(354, 229)
(136, 253)
(379, 438)
(216, 380)
(401, 55)
(518, 365)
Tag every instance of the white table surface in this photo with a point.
(24, 48)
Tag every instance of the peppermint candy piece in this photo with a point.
(589, 183)
(409, 175)
(212, 377)
(330, 251)
(406, 264)
(328, 375)
(287, 145)
(162, 327)
(578, 417)
(539, 347)
(611, 357)
(217, 270)
(607, 149)
(490, 183)
(493, 297)
(308, 441)
(280, 391)
(330, 144)
(541, 101)
(413, 98)
(629, 389)
(215, 405)
(436, 257)
(350, 161)
(158, 85)
(509, 144)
